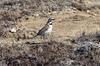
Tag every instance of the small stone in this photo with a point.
(13, 30)
(40, 49)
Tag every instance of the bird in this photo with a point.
(46, 29)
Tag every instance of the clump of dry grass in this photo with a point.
(84, 5)
(14, 11)
(40, 54)
(52, 53)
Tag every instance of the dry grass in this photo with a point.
(68, 24)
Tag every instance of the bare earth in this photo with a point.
(67, 24)
(57, 51)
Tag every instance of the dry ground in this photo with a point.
(64, 47)
(67, 24)
(58, 51)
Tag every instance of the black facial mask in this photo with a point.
(50, 23)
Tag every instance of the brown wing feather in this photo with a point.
(43, 30)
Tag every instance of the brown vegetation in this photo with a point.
(75, 40)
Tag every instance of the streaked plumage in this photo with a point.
(46, 29)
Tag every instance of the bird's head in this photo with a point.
(50, 21)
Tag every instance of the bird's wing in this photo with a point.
(41, 31)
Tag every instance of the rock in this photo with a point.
(13, 30)
(40, 49)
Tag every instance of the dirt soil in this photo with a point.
(62, 48)
(67, 24)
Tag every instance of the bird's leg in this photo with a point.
(45, 37)
(49, 37)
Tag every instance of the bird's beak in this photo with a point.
(53, 18)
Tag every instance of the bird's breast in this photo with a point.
(49, 29)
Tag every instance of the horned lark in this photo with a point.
(46, 29)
